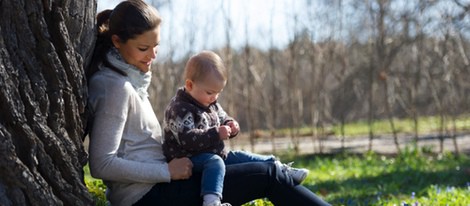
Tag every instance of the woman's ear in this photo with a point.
(116, 41)
(188, 84)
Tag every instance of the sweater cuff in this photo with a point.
(165, 175)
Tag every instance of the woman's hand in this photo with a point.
(180, 168)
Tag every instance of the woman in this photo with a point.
(125, 137)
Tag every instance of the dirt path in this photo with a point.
(382, 144)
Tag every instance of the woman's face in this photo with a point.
(141, 50)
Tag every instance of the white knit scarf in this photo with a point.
(139, 80)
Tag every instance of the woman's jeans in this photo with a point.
(243, 182)
(212, 167)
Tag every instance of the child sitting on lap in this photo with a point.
(195, 126)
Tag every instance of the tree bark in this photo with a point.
(44, 46)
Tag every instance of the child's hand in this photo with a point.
(224, 132)
(234, 127)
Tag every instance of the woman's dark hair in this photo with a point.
(127, 20)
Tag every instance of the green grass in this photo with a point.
(426, 125)
(95, 187)
(373, 179)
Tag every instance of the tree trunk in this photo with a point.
(44, 46)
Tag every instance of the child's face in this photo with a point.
(205, 92)
(141, 50)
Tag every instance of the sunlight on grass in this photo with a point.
(426, 125)
(433, 195)
(383, 180)
(371, 179)
(96, 187)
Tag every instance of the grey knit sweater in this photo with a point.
(125, 140)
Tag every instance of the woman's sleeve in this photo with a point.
(111, 107)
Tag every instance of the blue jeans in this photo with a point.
(212, 167)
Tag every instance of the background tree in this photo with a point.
(272, 96)
(44, 46)
(339, 62)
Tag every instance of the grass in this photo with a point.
(413, 177)
(426, 125)
(95, 187)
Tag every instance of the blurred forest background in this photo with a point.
(344, 61)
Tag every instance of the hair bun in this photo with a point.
(102, 20)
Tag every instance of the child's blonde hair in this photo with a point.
(204, 64)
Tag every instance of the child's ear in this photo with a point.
(188, 84)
